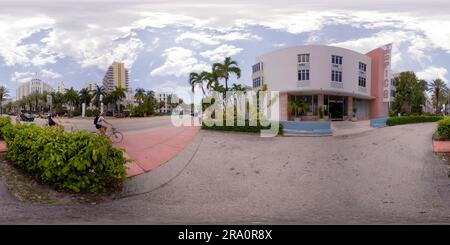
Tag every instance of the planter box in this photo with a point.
(441, 145)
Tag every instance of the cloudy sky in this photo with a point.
(162, 41)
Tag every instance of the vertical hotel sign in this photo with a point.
(387, 74)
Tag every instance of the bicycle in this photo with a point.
(115, 135)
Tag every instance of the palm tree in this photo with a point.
(117, 95)
(437, 88)
(3, 93)
(71, 97)
(98, 92)
(140, 95)
(85, 96)
(225, 69)
(197, 79)
(238, 87)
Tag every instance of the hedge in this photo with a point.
(392, 121)
(78, 161)
(4, 121)
(443, 128)
(246, 128)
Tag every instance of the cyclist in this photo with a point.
(18, 119)
(51, 121)
(100, 122)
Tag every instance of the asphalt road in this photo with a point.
(388, 175)
(123, 124)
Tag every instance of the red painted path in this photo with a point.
(151, 148)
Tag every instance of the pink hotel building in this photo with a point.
(336, 79)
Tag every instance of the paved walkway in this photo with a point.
(341, 128)
(151, 148)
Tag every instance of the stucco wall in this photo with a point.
(280, 70)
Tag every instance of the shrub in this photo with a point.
(443, 128)
(246, 128)
(138, 111)
(92, 113)
(412, 119)
(79, 161)
(4, 121)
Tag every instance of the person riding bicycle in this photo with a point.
(100, 122)
(51, 121)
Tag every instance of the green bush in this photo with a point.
(138, 111)
(92, 113)
(79, 161)
(443, 128)
(4, 121)
(246, 128)
(392, 121)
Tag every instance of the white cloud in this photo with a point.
(278, 45)
(212, 39)
(432, 73)
(417, 45)
(21, 76)
(218, 54)
(50, 74)
(178, 62)
(14, 30)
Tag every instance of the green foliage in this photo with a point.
(246, 128)
(392, 121)
(4, 121)
(320, 112)
(443, 128)
(409, 92)
(92, 113)
(79, 161)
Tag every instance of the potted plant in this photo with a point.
(354, 119)
(320, 112)
(294, 108)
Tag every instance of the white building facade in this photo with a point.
(35, 85)
(335, 79)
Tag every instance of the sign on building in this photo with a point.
(387, 72)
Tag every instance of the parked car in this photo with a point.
(26, 117)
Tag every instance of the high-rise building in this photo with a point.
(32, 86)
(91, 86)
(116, 76)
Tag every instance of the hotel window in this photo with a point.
(337, 60)
(257, 67)
(362, 82)
(257, 82)
(336, 76)
(303, 75)
(303, 58)
(362, 66)
(392, 93)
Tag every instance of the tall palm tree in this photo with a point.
(98, 92)
(225, 69)
(140, 95)
(437, 88)
(71, 97)
(197, 79)
(85, 96)
(3, 93)
(117, 95)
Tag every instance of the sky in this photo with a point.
(161, 42)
